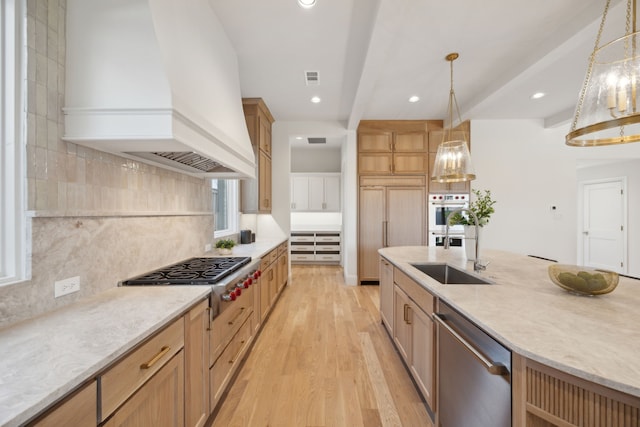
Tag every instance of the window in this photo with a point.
(12, 79)
(225, 206)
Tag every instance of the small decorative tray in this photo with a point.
(583, 280)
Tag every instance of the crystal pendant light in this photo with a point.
(453, 161)
(607, 112)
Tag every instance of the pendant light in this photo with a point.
(453, 161)
(608, 111)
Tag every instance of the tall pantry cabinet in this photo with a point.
(393, 168)
(256, 193)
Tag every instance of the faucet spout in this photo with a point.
(477, 266)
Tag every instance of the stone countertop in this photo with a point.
(45, 358)
(594, 338)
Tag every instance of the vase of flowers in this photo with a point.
(483, 208)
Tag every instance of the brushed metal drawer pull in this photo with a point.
(164, 350)
(231, 322)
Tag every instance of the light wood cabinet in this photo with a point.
(196, 344)
(389, 215)
(79, 410)
(546, 397)
(282, 268)
(414, 332)
(386, 294)
(436, 137)
(390, 147)
(256, 194)
(159, 402)
(315, 192)
(128, 375)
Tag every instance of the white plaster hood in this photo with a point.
(145, 77)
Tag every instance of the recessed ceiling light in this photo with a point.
(538, 95)
(307, 4)
(414, 98)
(316, 99)
(298, 137)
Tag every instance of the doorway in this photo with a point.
(602, 240)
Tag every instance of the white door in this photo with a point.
(604, 225)
(332, 193)
(316, 193)
(299, 193)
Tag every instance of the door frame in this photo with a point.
(625, 218)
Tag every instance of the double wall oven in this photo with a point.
(440, 206)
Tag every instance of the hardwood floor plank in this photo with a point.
(323, 359)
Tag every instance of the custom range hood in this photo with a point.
(156, 81)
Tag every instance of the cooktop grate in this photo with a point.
(194, 271)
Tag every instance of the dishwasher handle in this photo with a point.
(492, 367)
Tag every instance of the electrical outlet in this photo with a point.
(207, 247)
(66, 286)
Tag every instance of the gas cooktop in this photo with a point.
(194, 271)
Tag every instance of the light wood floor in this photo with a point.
(323, 359)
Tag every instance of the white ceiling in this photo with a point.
(373, 54)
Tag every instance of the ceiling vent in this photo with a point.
(317, 140)
(312, 78)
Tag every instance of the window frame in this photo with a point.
(232, 195)
(13, 232)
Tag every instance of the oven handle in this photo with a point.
(492, 367)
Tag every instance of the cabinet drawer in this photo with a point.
(327, 257)
(79, 410)
(302, 237)
(302, 257)
(302, 248)
(124, 378)
(417, 293)
(268, 258)
(223, 368)
(227, 324)
(327, 248)
(334, 237)
(283, 248)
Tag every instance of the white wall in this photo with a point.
(529, 169)
(316, 159)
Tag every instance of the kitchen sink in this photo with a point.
(448, 275)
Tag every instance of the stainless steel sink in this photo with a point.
(448, 275)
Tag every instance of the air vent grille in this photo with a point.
(317, 140)
(312, 78)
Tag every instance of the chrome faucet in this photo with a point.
(477, 266)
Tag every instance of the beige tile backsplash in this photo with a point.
(92, 214)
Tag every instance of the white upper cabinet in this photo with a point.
(315, 192)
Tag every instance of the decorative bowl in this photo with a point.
(583, 280)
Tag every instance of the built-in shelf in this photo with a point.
(316, 247)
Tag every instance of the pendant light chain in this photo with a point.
(590, 67)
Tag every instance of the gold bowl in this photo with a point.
(583, 280)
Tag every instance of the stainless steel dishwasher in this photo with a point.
(474, 374)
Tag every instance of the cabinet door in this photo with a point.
(264, 182)
(411, 163)
(422, 358)
(371, 225)
(316, 193)
(196, 344)
(265, 134)
(386, 294)
(300, 193)
(406, 219)
(332, 193)
(159, 403)
(375, 163)
(379, 141)
(401, 323)
(411, 142)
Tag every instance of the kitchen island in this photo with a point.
(595, 339)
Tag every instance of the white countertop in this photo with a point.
(594, 338)
(43, 359)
